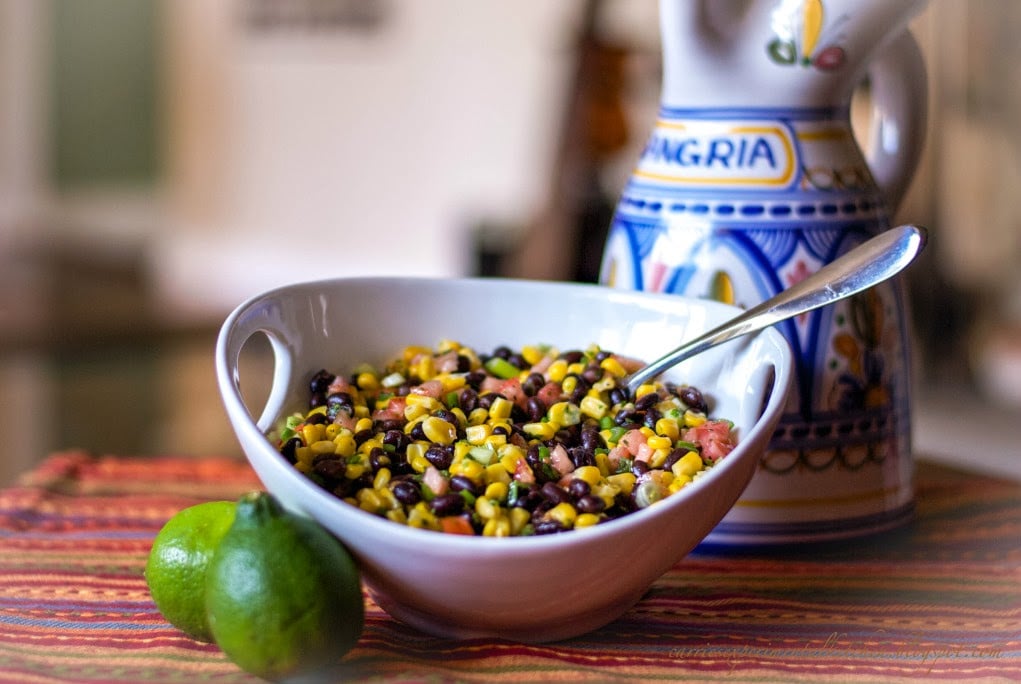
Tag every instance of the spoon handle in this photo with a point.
(868, 264)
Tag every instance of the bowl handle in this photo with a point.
(237, 330)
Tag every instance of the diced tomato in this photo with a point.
(435, 481)
(511, 390)
(644, 452)
(446, 363)
(549, 394)
(523, 472)
(632, 441)
(560, 460)
(394, 409)
(429, 388)
(456, 524)
(714, 437)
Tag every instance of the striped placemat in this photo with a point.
(937, 600)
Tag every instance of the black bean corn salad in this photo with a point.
(512, 443)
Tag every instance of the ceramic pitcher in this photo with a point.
(752, 179)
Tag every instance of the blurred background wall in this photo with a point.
(162, 160)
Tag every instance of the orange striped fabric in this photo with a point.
(937, 600)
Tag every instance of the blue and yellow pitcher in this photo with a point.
(752, 179)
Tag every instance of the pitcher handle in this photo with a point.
(900, 108)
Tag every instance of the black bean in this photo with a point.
(289, 449)
(316, 400)
(502, 352)
(536, 409)
(532, 384)
(321, 381)
(693, 398)
(580, 456)
(440, 456)
(460, 483)
(316, 419)
(639, 468)
(363, 435)
(590, 504)
(468, 400)
(647, 401)
(555, 493)
(448, 504)
(486, 400)
(673, 457)
(464, 363)
(591, 439)
(475, 379)
(618, 395)
(406, 492)
(572, 356)
(418, 433)
(330, 468)
(518, 361)
(652, 416)
(578, 488)
(547, 527)
(378, 458)
(396, 439)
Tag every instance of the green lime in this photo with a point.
(283, 596)
(176, 568)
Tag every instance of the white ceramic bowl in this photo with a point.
(523, 588)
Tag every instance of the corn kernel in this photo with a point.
(413, 412)
(424, 400)
(589, 474)
(678, 483)
(419, 463)
(470, 468)
(461, 449)
(557, 371)
(688, 464)
(439, 431)
(332, 430)
(368, 445)
(312, 433)
(543, 431)
(411, 351)
(586, 520)
(397, 515)
(452, 381)
(476, 434)
(344, 444)
(593, 407)
(564, 414)
(668, 428)
(605, 383)
(303, 455)
(478, 416)
(603, 463)
(624, 481)
(462, 420)
(693, 418)
(323, 446)
(519, 517)
(367, 381)
(500, 409)
(494, 442)
(363, 424)
(497, 473)
(382, 478)
(368, 500)
(486, 508)
(658, 458)
(497, 491)
(659, 442)
(569, 384)
(425, 367)
(510, 462)
(303, 467)
(532, 354)
(354, 470)
(564, 514)
(497, 527)
(613, 367)
(644, 389)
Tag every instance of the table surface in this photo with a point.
(937, 599)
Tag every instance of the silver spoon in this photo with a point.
(868, 264)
